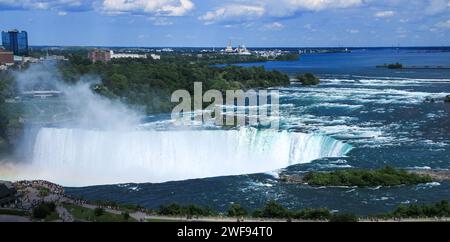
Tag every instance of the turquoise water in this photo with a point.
(381, 113)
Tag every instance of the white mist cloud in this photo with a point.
(85, 108)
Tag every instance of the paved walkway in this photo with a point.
(64, 214)
(14, 219)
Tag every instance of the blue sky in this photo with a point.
(255, 23)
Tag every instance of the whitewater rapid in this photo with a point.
(75, 157)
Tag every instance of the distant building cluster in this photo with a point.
(270, 54)
(14, 49)
(240, 50)
(126, 55)
(165, 50)
(99, 55)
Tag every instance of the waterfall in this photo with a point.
(75, 157)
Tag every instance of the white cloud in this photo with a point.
(47, 4)
(317, 5)
(160, 21)
(242, 10)
(384, 14)
(437, 6)
(238, 11)
(274, 26)
(152, 7)
(233, 13)
(353, 31)
(62, 13)
(443, 24)
(147, 7)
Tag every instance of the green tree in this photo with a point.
(119, 82)
(42, 210)
(344, 218)
(274, 210)
(237, 210)
(308, 79)
(126, 216)
(99, 211)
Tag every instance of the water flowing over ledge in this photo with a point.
(75, 157)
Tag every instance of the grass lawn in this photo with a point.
(85, 214)
(5, 211)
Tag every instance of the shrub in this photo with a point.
(274, 210)
(237, 210)
(313, 214)
(126, 216)
(42, 210)
(43, 192)
(189, 210)
(257, 213)
(99, 211)
(171, 210)
(441, 209)
(308, 79)
(344, 218)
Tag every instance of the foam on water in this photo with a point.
(109, 157)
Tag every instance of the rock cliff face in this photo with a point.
(14, 134)
(19, 138)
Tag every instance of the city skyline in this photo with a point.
(261, 23)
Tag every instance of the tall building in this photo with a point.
(97, 55)
(6, 57)
(15, 41)
(229, 48)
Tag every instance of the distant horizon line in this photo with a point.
(256, 47)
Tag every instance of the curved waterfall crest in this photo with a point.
(106, 157)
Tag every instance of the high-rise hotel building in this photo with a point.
(15, 41)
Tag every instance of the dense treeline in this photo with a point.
(188, 210)
(274, 210)
(6, 117)
(150, 83)
(440, 210)
(387, 176)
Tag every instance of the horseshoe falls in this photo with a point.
(75, 157)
